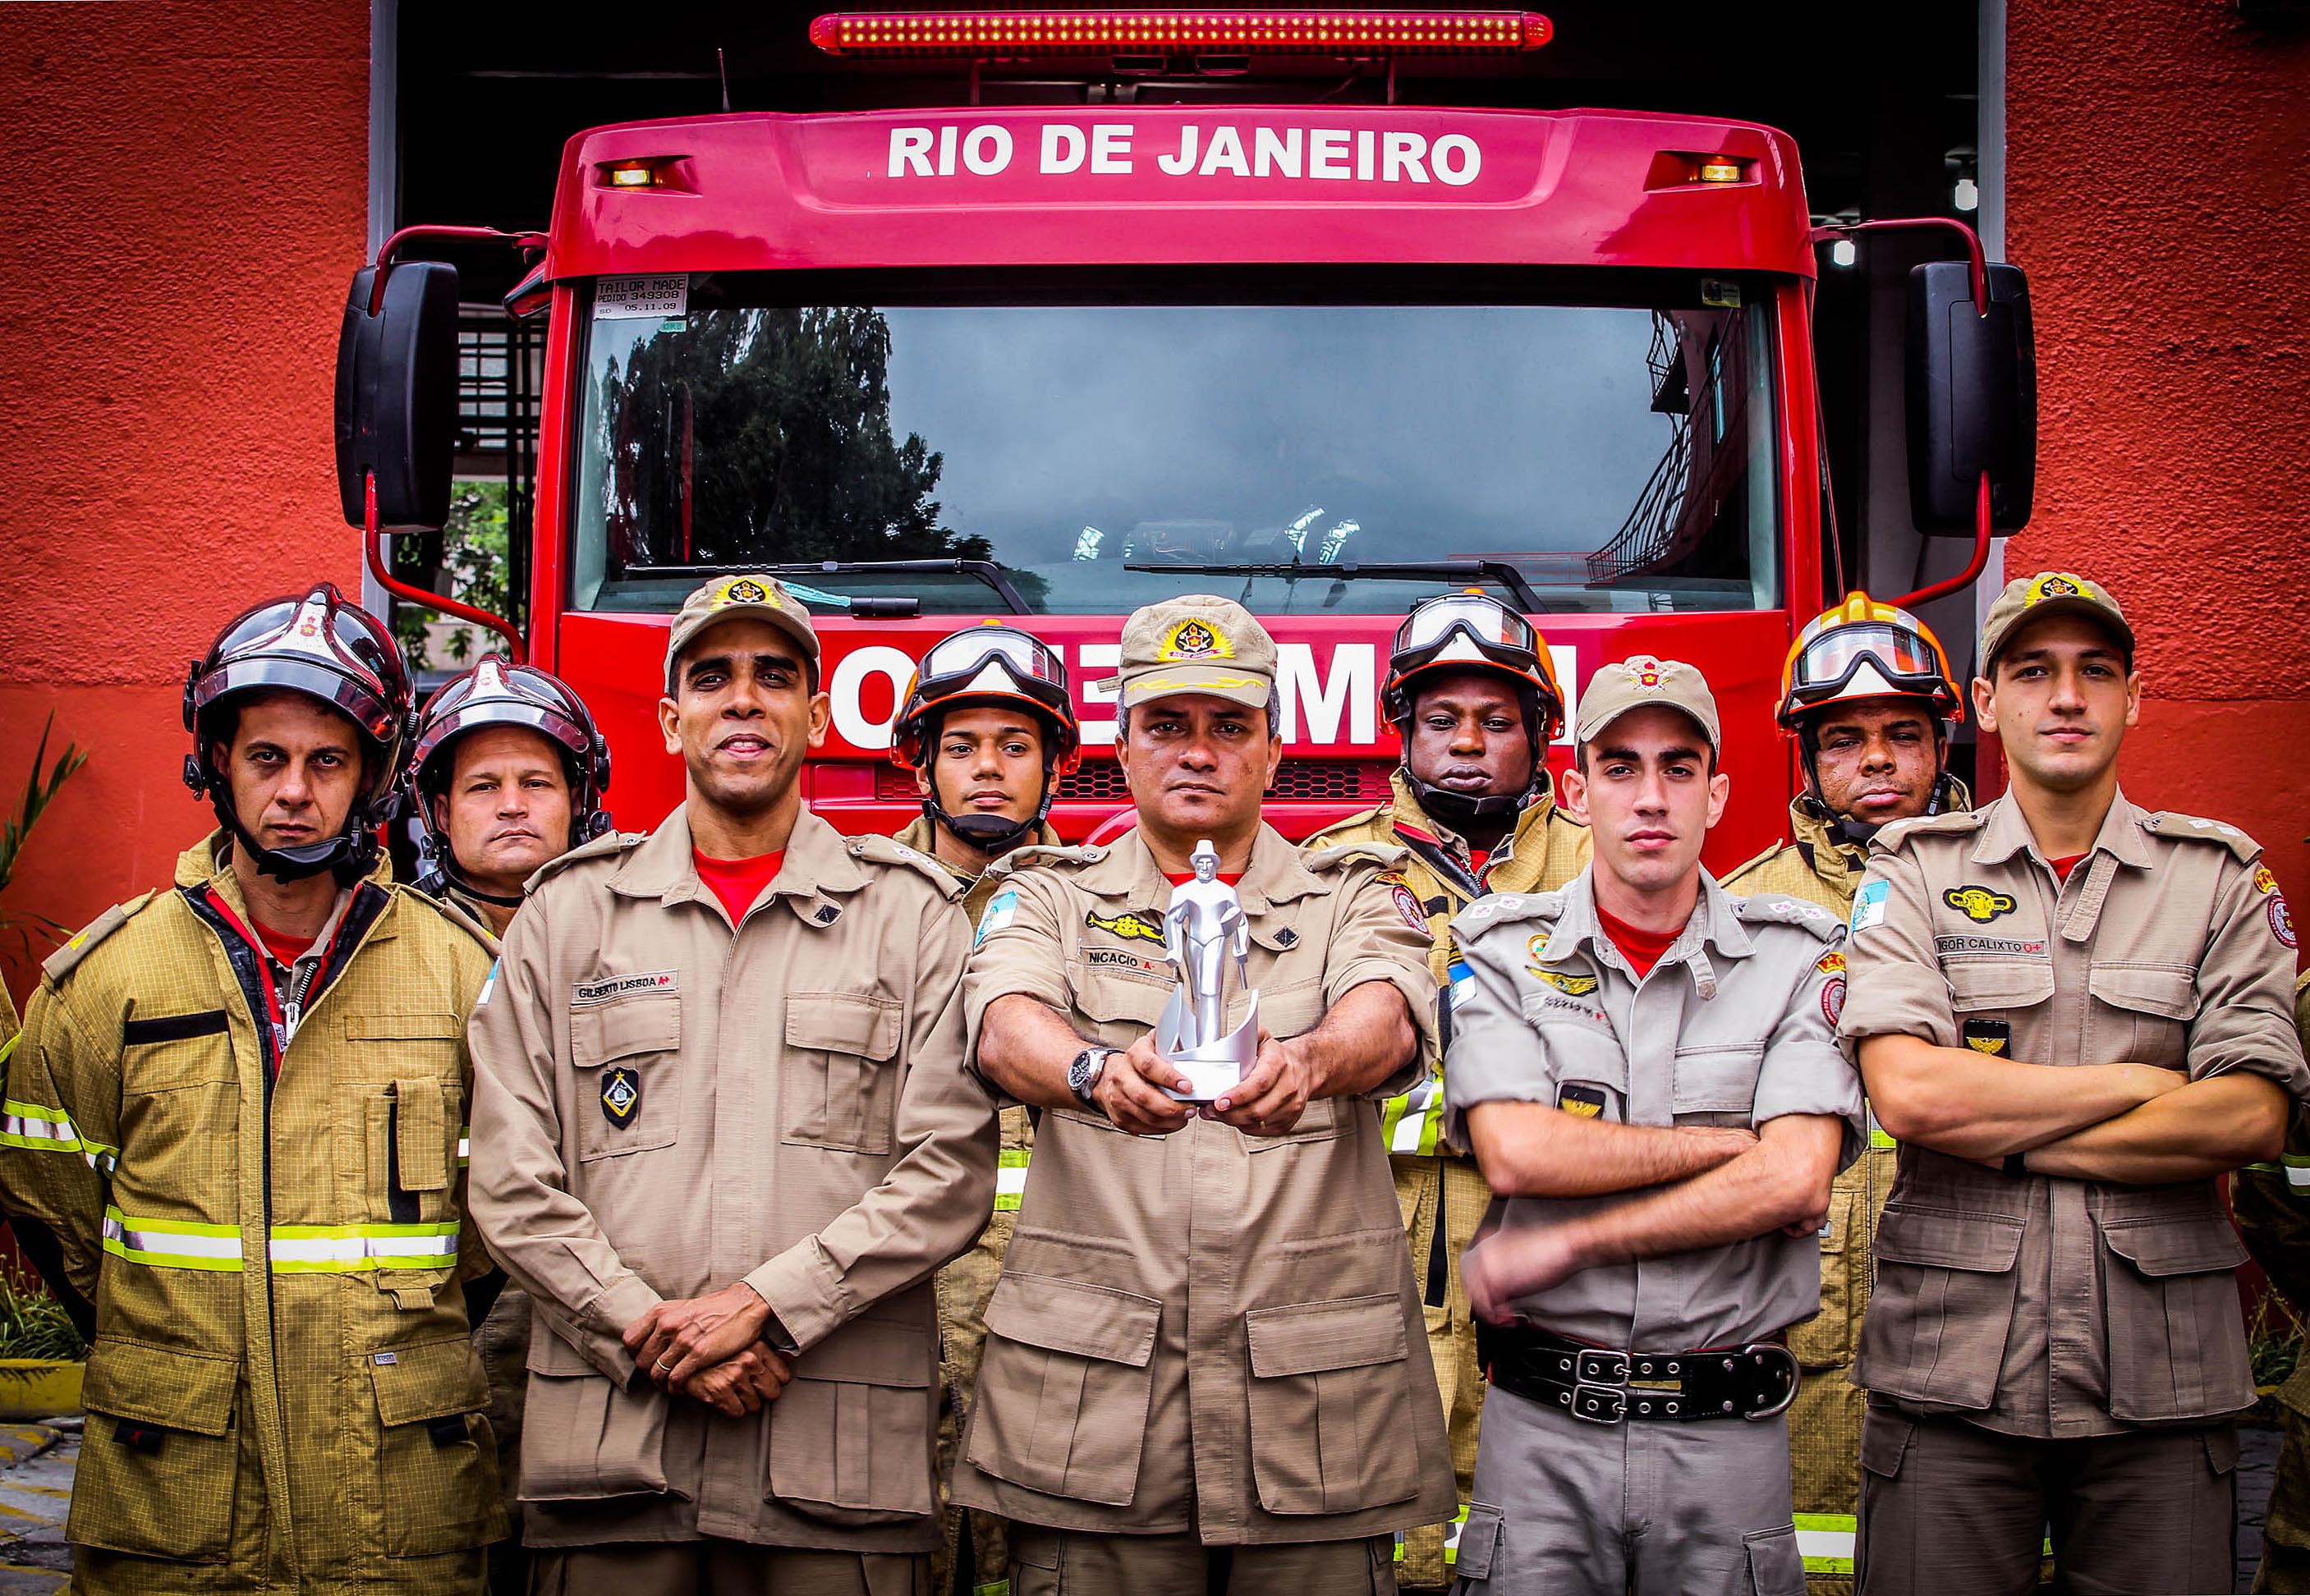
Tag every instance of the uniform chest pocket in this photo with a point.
(2146, 1008)
(411, 1132)
(1121, 1008)
(1718, 1082)
(397, 1047)
(161, 1053)
(628, 1089)
(1977, 983)
(839, 1084)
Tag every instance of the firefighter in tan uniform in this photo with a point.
(1205, 1365)
(2075, 1016)
(988, 729)
(251, 1089)
(1646, 1069)
(1472, 693)
(506, 773)
(1868, 695)
(2272, 1204)
(724, 1139)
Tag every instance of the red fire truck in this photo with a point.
(1054, 362)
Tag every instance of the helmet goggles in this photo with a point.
(1828, 667)
(1470, 631)
(982, 663)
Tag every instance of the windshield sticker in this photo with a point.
(655, 298)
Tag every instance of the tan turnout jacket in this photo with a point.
(283, 1394)
(666, 1105)
(1205, 1331)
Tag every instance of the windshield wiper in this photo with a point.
(983, 570)
(1496, 571)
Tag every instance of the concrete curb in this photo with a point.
(22, 1443)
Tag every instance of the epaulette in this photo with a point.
(1961, 822)
(601, 847)
(455, 916)
(1378, 855)
(2165, 823)
(60, 963)
(1778, 909)
(883, 850)
(1502, 908)
(1033, 854)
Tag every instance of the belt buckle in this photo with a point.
(1600, 1381)
(1796, 1378)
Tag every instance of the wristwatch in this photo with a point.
(1083, 1073)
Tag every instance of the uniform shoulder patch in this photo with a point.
(2165, 823)
(1962, 822)
(1778, 909)
(1380, 856)
(608, 846)
(1506, 908)
(455, 915)
(62, 962)
(897, 855)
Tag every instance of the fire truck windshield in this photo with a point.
(1619, 455)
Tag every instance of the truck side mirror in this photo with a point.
(1972, 399)
(397, 396)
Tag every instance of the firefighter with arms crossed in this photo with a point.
(1646, 1068)
(506, 772)
(2075, 1016)
(1472, 693)
(724, 1138)
(1205, 1367)
(1867, 693)
(988, 728)
(2270, 1201)
(253, 1088)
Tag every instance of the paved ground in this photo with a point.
(36, 1475)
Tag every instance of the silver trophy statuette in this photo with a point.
(1204, 926)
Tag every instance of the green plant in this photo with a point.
(34, 1325)
(40, 790)
(469, 558)
(2274, 1340)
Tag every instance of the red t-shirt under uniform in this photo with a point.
(1642, 948)
(738, 882)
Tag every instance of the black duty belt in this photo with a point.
(1605, 1385)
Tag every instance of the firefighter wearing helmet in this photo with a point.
(987, 727)
(1472, 693)
(1867, 693)
(506, 773)
(239, 1103)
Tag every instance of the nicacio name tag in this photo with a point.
(586, 993)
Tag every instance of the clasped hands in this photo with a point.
(710, 1350)
(1267, 1102)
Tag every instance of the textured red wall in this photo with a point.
(183, 194)
(2158, 164)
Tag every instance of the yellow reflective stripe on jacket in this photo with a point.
(1412, 1121)
(292, 1249)
(2294, 1167)
(171, 1244)
(36, 1128)
(1825, 1539)
(1879, 1140)
(464, 1146)
(1010, 1178)
(1451, 1538)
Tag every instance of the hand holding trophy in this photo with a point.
(1203, 926)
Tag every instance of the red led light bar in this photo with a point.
(1047, 33)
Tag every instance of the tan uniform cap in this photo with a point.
(1642, 682)
(750, 594)
(1197, 642)
(2049, 593)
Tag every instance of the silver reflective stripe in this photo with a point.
(168, 1244)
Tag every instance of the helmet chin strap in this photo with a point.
(350, 856)
(992, 835)
(1846, 828)
(440, 873)
(1457, 809)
